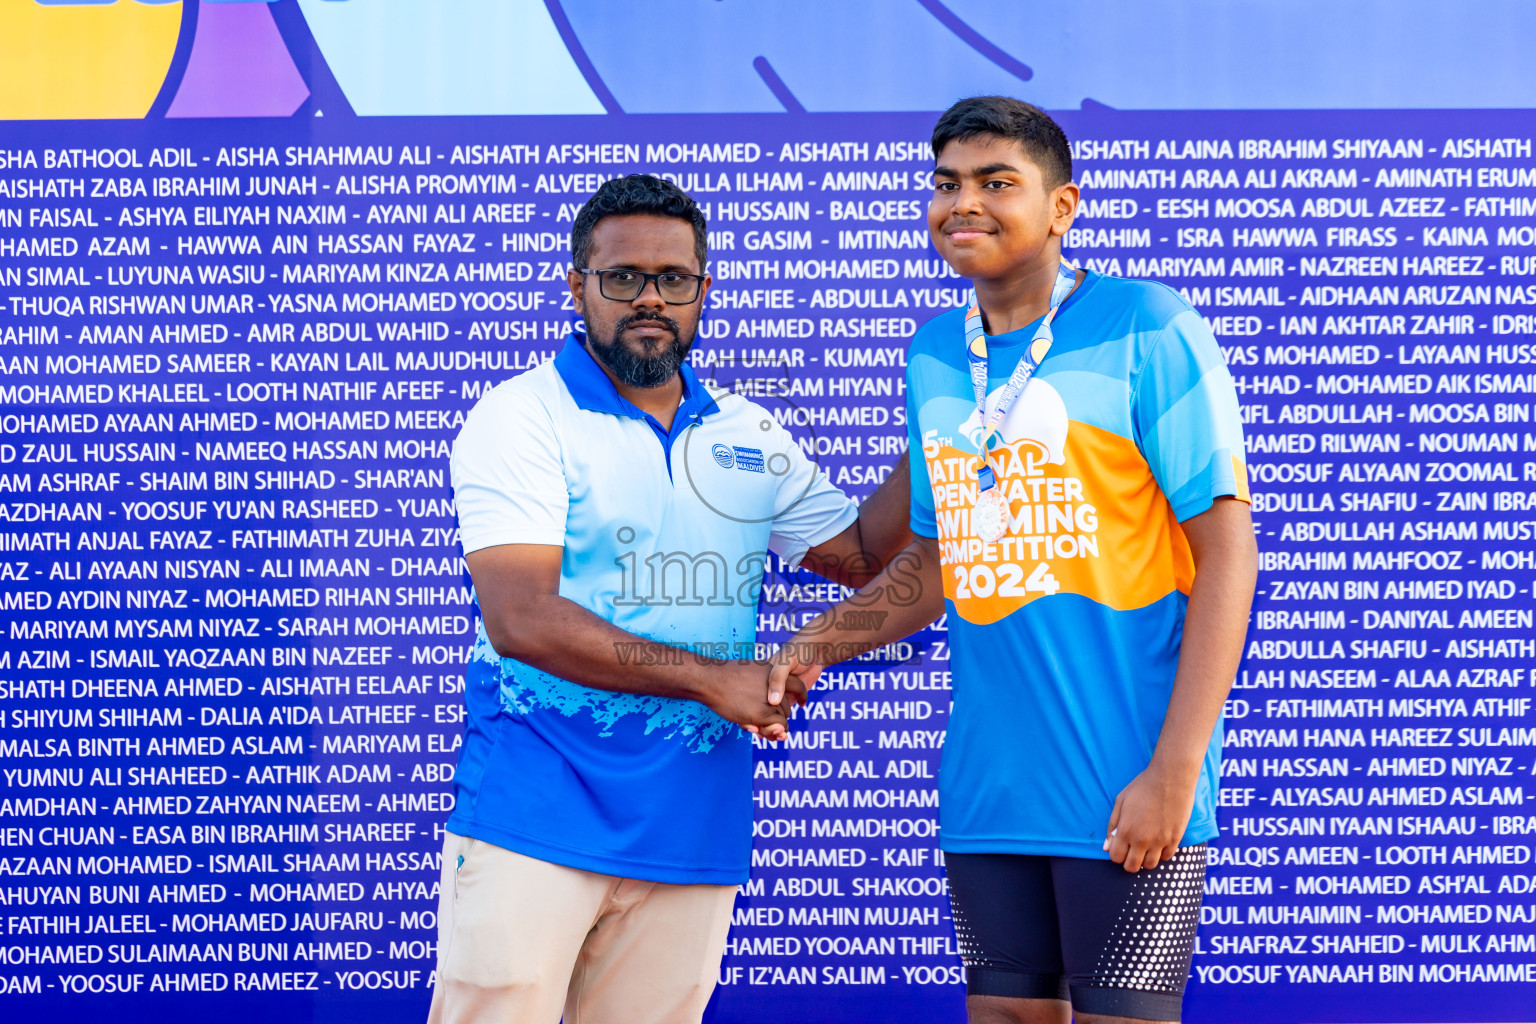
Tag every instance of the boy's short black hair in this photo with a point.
(637, 193)
(1007, 118)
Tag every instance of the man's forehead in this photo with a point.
(644, 238)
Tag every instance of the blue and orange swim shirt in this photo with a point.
(1065, 633)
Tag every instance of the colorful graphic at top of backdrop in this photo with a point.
(261, 58)
(84, 60)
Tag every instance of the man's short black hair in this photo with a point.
(637, 193)
(1007, 118)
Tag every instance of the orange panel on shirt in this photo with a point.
(1095, 525)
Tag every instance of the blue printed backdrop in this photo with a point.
(259, 258)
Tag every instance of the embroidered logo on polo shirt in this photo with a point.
(724, 457)
(749, 459)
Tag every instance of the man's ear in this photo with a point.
(576, 280)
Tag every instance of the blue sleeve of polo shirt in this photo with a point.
(508, 473)
(808, 509)
(1185, 414)
(921, 518)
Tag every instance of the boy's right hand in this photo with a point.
(791, 676)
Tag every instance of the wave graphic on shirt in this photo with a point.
(1038, 415)
(525, 690)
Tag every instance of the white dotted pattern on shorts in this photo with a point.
(1150, 946)
(970, 950)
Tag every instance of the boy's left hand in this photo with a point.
(1149, 818)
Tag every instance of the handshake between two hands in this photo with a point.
(760, 695)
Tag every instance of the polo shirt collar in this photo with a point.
(593, 390)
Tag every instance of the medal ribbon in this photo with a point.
(976, 356)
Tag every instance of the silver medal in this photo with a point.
(987, 516)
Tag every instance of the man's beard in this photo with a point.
(651, 369)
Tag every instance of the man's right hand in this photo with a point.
(739, 695)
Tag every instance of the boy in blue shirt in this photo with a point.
(1080, 504)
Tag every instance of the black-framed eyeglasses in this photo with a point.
(626, 285)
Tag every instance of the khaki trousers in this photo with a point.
(520, 940)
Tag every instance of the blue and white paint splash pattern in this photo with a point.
(525, 690)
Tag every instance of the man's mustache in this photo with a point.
(647, 320)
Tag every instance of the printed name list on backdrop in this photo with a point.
(235, 355)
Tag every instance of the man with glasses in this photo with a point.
(616, 517)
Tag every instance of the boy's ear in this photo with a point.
(1064, 200)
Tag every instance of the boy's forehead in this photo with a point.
(966, 155)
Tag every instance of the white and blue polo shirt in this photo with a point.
(665, 535)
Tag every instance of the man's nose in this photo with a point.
(650, 297)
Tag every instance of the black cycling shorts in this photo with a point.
(1114, 943)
